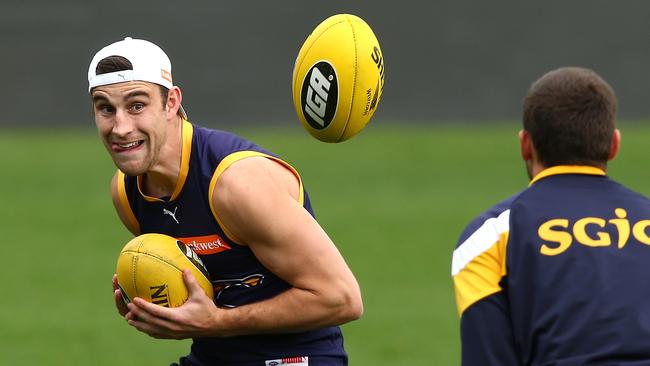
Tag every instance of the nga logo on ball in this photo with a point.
(319, 95)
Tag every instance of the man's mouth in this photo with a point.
(127, 145)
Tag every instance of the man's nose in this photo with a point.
(124, 124)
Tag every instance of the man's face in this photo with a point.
(132, 124)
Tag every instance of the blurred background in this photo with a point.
(445, 60)
(441, 148)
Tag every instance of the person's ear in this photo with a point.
(525, 145)
(616, 143)
(174, 100)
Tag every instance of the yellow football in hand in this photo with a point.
(150, 266)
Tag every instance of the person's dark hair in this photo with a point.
(119, 63)
(570, 114)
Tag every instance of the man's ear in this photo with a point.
(525, 145)
(616, 143)
(174, 100)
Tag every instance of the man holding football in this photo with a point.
(556, 274)
(281, 286)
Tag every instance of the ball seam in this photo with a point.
(354, 79)
(297, 66)
(165, 260)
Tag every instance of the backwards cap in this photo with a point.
(150, 63)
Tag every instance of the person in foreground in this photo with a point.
(557, 274)
(281, 286)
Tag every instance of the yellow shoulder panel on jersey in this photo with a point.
(231, 159)
(479, 262)
(125, 207)
(185, 158)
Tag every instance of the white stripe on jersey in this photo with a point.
(480, 241)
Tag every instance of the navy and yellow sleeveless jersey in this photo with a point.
(237, 276)
(557, 275)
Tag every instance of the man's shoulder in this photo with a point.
(209, 135)
(217, 144)
(495, 216)
(579, 194)
(629, 192)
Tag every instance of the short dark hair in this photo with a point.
(570, 114)
(119, 63)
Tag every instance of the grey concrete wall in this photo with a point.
(445, 60)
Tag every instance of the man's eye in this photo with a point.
(106, 108)
(137, 106)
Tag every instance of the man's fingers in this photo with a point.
(114, 282)
(141, 306)
(148, 319)
(119, 302)
(192, 284)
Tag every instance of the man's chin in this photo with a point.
(130, 169)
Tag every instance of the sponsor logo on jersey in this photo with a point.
(207, 244)
(559, 234)
(222, 286)
(319, 95)
(293, 361)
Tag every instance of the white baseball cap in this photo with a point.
(150, 63)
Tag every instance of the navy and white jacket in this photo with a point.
(558, 274)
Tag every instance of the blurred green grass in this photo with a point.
(394, 200)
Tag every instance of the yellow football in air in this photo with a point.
(338, 78)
